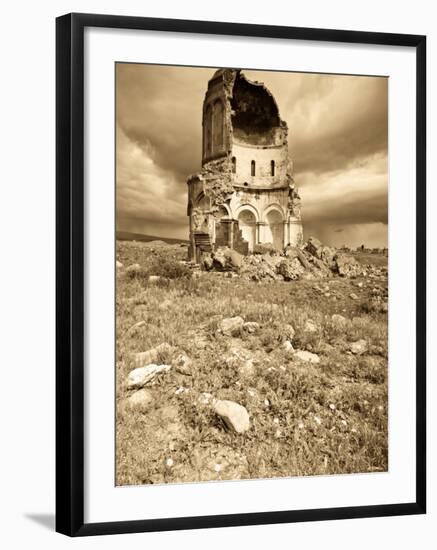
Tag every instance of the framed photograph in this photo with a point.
(240, 274)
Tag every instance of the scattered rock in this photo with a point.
(287, 346)
(290, 269)
(306, 356)
(140, 399)
(234, 415)
(353, 296)
(141, 376)
(119, 265)
(310, 326)
(288, 331)
(154, 355)
(231, 326)
(251, 327)
(338, 320)
(358, 347)
(154, 278)
(182, 364)
(347, 266)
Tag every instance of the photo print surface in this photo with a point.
(251, 274)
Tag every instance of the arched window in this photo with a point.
(217, 127)
(234, 165)
(272, 167)
(207, 131)
(252, 168)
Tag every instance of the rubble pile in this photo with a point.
(312, 260)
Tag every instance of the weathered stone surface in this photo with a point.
(141, 376)
(154, 355)
(310, 326)
(338, 320)
(358, 347)
(288, 331)
(182, 364)
(226, 259)
(290, 269)
(347, 266)
(140, 399)
(234, 415)
(232, 326)
(314, 247)
(306, 356)
(251, 327)
(287, 346)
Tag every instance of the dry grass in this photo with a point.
(326, 418)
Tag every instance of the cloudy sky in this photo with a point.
(338, 142)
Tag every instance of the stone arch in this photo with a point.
(247, 222)
(202, 202)
(274, 228)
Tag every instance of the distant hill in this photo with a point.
(127, 236)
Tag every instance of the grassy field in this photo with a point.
(306, 419)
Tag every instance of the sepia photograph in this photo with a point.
(251, 274)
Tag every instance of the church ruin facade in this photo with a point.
(244, 195)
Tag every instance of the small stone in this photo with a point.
(317, 419)
(266, 402)
(154, 278)
(276, 420)
(251, 327)
(231, 326)
(133, 270)
(358, 347)
(205, 398)
(234, 415)
(332, 406)
(288, 331)
(140, 399)
(301, 425)
(119, 265)
(179, 390)
(169, 462)
(141, 376)
(217, 467)
(287, 346)
(353, 296)
(306, 356)
(182, 364)
(338, 320)
(310, 326)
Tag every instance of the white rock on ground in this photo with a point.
(287, 346)
(141, 376)
(306, 356)
(358, 347)
(234, 415)
(338, 320)
(140, 399)
(231, 326)
(119, 265)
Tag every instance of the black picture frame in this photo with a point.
(70, 273)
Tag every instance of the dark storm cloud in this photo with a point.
(337, 140)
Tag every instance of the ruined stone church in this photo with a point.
(244, 195)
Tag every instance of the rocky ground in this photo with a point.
(258, 367)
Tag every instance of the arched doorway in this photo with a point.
(275, 229)
(247, 224)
